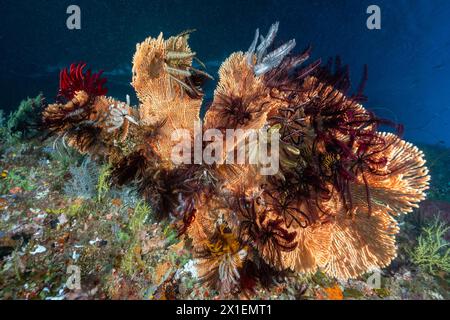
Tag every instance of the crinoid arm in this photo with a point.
(169, 88)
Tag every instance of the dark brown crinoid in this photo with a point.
(237, 111)
(264, 230)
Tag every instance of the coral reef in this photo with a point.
(331, 207)
(43, 231)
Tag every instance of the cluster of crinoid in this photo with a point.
(83, 116)
(329, 143)
(330, 206)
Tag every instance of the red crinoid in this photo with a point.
(76, 79)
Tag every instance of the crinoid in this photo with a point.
(221, 260)
(330, 206)
(264, 229)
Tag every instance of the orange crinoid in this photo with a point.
(340, 183)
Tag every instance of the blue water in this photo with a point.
(408, 59)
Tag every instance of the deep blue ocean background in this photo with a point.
(408, 59)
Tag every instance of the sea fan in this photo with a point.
(332, 204)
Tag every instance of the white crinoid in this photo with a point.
(267, 61)
(117, 115)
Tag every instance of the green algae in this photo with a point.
(432, 252)
(103, 184)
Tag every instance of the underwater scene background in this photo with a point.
(77, 224)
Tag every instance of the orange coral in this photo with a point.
(334, 293)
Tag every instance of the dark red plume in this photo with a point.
(75, 79)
